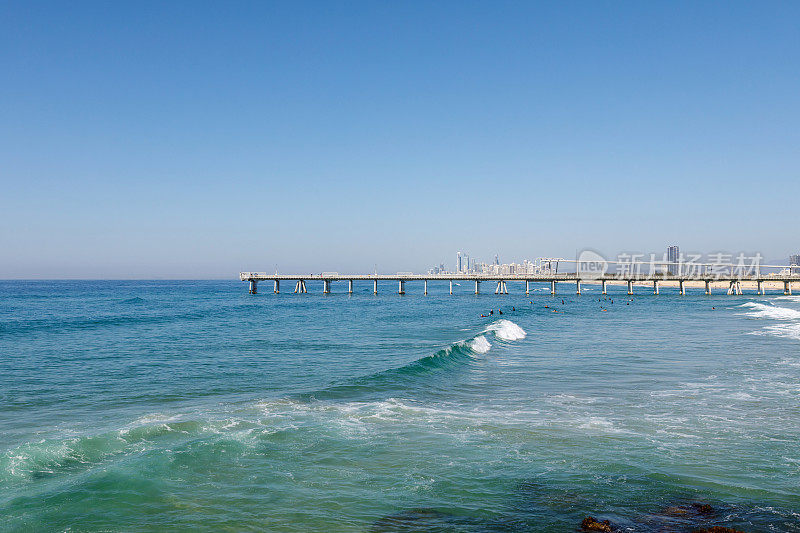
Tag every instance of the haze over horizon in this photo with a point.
(194, 141)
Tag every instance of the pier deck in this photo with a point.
(734, 282)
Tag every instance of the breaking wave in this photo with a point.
(451, 357)
(506, 330)
(760, 310)
(790, 320)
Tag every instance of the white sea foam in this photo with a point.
(506, 330)
(789, 331)
(480, 344)
(741, 396)
(760, 310)
(598, 424)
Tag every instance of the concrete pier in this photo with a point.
(300, 287)
(735, 288)
(734, 282)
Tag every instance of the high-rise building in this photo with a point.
(496, 260)
(794, 264)
(458, 263)
(673, 257)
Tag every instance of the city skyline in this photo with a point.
(672, 256)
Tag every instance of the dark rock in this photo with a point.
(590, 524)
(703, 508)
(690, 510)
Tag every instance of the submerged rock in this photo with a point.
(418, 520)
(703, 508)
(692, 509)
(590, 524)
(717, 529)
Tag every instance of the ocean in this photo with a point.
(192, 405)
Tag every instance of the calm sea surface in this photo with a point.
(157, 406)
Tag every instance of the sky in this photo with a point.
(200, 139)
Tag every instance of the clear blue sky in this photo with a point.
(194, 140)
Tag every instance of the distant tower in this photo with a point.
(458, 263)
(794, 261)
(466, 262)
(673, 256)
(496, 260)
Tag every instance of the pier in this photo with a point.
(734, 283)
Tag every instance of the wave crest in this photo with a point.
(480, 344)
(506, 330)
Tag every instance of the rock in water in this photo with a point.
(590, 524)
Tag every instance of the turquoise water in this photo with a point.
(153, 406)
